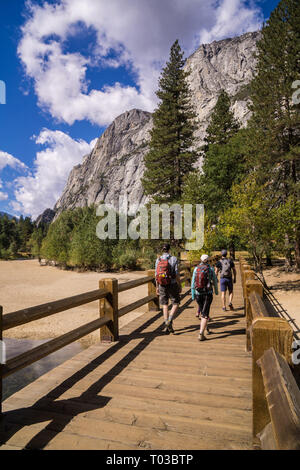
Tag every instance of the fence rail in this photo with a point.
(108, 323)
(266, 332)
(27, 315)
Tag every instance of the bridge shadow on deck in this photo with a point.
(60, 413)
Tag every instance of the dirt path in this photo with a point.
(26, 283)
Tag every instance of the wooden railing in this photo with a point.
(269, 339)
(108, 323)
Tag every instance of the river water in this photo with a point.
(23, 377)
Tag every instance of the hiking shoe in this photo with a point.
(201, 337)
(224, 309)
(171, 329)
(231, 307)
(166, 329)
(208, 331)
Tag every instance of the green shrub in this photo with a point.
(125, 256)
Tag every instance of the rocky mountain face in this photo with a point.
(115, 166)
(229, 65)
(46, 217)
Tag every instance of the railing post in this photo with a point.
(153, 306)
(245, 268)
(109, 307)
(250, 286)
(266, 333)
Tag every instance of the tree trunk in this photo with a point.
(297, 248)
(288, 254)
(268, 258)
(232, 251)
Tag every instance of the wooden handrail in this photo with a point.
(262, 333)
(282, 427)
(27, 315)
(35, 354)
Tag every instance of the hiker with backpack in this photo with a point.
(204, 282)
(226, 267)
(168, 286)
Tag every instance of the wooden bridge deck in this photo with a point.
(147, 391)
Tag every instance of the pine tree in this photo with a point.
(274, 129)
(223, 160)
(222, 125)
(171, 155)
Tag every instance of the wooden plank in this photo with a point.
(283, 398)
(144, 413)
(132, 426)
(27, 315)
(80, 433)
(35, 354)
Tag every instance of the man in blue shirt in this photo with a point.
(205, 274)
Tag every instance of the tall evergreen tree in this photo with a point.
(223, 161)
(171, 155)
(222, 125)
(274, 129)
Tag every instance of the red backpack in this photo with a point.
(163, 272)
(202, 279)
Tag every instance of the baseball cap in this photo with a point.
(204, 258)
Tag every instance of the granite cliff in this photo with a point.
(115, 166)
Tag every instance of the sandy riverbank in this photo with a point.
(286, 288)
(25, 284)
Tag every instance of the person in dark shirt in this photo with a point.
(227, 268)
(171, 291)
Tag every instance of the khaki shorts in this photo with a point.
(167, 293)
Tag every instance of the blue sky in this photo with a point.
(72, 66)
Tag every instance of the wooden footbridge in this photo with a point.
(147, 391)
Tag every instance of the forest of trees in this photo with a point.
(248, 183)
(20, 237)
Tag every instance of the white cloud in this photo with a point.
(52, 166)
(231, 16)
(140, 32)
(8, 160)
(3, 196)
